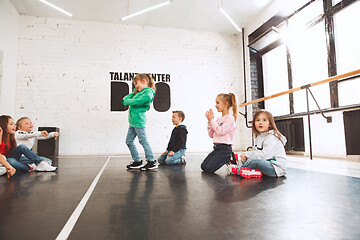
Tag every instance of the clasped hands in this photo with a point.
(209, 115)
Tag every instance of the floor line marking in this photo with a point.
(65, 232)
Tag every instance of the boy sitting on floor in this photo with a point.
(24, 135)
(176, 149)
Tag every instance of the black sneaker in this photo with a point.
(135, 165)
(150, 165)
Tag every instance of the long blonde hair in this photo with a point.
(271, 121)
(231, 100)
(149, 81)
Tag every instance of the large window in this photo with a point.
(313, 44)
(276, 80)
(348, 51)
(309, 64)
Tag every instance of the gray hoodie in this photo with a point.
(268, 147)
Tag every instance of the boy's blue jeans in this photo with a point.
(264, 166)
(217, 158)
(173, 160)
(141, 134)
(21, 156)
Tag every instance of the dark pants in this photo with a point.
(217, 158)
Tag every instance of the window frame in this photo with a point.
(282, 18)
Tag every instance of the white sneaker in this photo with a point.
(32, 167)
(232, 169)
(44, 166)
(2, 170)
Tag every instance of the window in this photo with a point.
(313, 38)
(334, 2)
(348, 51)
(309, 64)
(276, 80)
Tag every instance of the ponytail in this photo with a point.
(151, 83)
(234, 105)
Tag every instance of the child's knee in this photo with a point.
(22, 146)
(253, 164)
(143, 142)
(206, 168)
(129, 141)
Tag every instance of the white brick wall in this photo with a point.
(9, 31)
(64, 81)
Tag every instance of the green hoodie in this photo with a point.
(139, 103)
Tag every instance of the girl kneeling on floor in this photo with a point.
(268, 156)
(221, 131)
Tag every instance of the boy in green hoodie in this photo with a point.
(139, 102)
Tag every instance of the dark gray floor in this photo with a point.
(178, 202)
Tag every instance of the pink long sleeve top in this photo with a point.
(222, 130)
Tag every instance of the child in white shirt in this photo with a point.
(24, 134)
(268, 156)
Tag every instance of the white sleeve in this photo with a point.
(210, 131)
(268, 150)
(41, 137)
(21, 135)
(52, 134)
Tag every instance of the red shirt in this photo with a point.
(5, 149)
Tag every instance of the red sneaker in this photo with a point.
(249, 173)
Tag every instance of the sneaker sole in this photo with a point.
(46, 170)
(138, 167)
(135, 167)
(249, 173)
(152, 168)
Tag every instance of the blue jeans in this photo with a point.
(141, 134)
(217, 158)
(264, 166)
(21, 156)
(173, 160)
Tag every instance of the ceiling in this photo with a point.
(199, 15)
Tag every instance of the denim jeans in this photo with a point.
(264, 166)
(141, 134)
(173, 160)
(21, 156)
(217, 158)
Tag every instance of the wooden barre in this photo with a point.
(341, 76)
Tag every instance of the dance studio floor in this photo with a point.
(97, 198)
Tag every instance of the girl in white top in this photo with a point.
(268, 156)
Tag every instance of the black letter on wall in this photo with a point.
(162, 97)
(118, 91)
